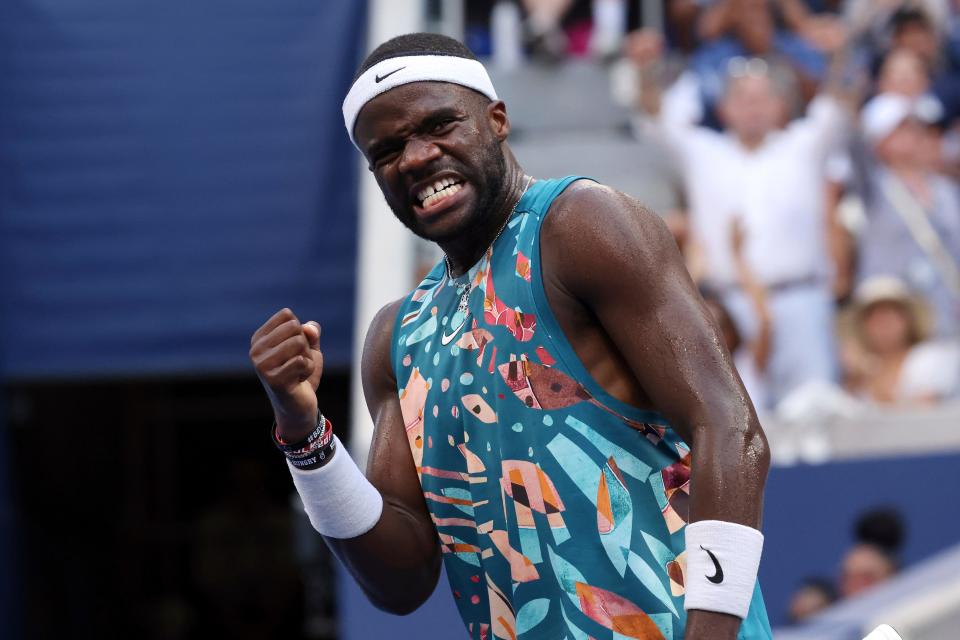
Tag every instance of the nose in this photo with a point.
(417, 154)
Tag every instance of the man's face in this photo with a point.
(903, 72)
(903, 145)
(921, 38)
(752, 108)
(863, 567)
(424, 135)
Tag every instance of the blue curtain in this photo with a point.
(172, 173)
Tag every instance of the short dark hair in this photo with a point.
(882, 527)
(415, 44)
(909, 17)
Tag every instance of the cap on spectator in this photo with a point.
(884, 113)
(879, 289)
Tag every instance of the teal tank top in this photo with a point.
(560, 510)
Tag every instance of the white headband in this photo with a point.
(393, 72)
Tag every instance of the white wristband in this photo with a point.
(337, 497)
(722, 563)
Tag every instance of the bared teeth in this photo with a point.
(440, 194)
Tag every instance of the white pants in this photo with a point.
(803, 340)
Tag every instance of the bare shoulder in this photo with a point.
(376, 347)
(592, 224)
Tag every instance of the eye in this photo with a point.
(441, 125)
(384, 157)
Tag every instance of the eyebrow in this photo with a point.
(424, 125)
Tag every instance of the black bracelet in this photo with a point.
(317, 459)
(312, 452)
(318, 433)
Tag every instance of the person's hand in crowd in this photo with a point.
(761, 345)
(644, 47)
(827, 33)
(753, 25)
(737, 237)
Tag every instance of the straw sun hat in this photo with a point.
(877, 289)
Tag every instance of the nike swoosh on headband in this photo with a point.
(378, 78)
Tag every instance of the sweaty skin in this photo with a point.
(601, 253)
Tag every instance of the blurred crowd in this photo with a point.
(874, 558)
(818, 147)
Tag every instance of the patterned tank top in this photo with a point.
(560, 510)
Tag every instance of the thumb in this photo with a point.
(311, 330)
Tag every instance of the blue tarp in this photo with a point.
(171, 173)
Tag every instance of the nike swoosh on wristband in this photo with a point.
(716, 578)
(379, 78)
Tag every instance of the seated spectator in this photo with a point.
(879, 535)
(813, 596)
(769, 174)
(889, 361)
(912, 214)
(864, 567)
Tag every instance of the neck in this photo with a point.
(467, 249)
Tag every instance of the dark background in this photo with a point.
(171, 174)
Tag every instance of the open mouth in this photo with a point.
(439, 191)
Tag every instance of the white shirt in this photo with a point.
(777, 189)
(930, 369)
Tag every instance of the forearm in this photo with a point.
(758, 300)
(715, 21)
(397, 563)
(728, 474)
(729, 469)
(794, 13)
(651, 90)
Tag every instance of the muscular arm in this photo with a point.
(396, 563)
(603, 251)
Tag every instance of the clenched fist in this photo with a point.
(288, 361)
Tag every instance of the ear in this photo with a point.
(499, 122)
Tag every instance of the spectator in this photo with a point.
(871, 21)
(889, 362)
(903, 72)
(917, 30)
(751, 358)
(769, 174)
(813, 596)
(913, 214)
(865, 566)
(547, 39)
(782, 29)
(879, 535)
